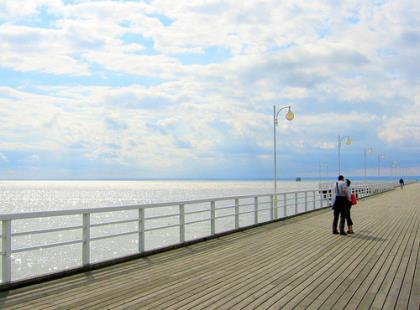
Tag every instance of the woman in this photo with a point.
(348, 208)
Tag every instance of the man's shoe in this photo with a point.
(335, 232)
(343, 233)
(350, 232)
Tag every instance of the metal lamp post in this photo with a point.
(322, 165)
(339, 140)
(366, 151)
(380, 157)
(393, 164)
(289, 116)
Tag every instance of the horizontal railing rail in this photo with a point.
(214, 216)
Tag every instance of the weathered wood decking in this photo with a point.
(295, 263)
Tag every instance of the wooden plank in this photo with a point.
(123, 274)
(397, 284)
(358, 279)
(235, 264)
(233, 290)
(148, 293)
(397, 245)
(414, 300)
(366, 278)
(329, 275)
(381, 269)
(316, 268)
(355, 259)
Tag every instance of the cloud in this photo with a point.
(32, 159)
(410, 39)
(115, 124)
(13, 9)
(3, 158)
(162, 87)
(35, 49)
(403, 129)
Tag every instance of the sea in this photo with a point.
(30, 196)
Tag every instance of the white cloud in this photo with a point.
(3, 158)
(404, 128)
(341, 65)
(18, 9)
(35, 49)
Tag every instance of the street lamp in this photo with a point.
(289, 116)
(367, 151)
(339, 140)
(393, 164)
(322, 165)
(380, 157)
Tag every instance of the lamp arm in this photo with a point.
(345, 137)
(279, 110)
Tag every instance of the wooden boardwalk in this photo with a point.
(296, 263)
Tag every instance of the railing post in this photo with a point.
(276, 215)
(306, 201)
(285, 204)
(314, 194)
(271, 207)
(255, 210)
(86, 239)
(327, 198)
(181, 223)
(236, 213)
(296, 203)
(6, 242)
(330, 197)
(321, 203)
(212, 218)
(141, 230)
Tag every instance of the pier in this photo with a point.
(292, 263)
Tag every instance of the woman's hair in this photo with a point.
(348, 182)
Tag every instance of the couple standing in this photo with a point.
(341, 207)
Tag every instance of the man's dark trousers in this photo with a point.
(339, 211)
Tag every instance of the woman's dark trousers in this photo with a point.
(348, 217)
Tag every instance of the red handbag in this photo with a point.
(353, 199)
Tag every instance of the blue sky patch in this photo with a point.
(147, 43)
(166, 21)
(211, 55)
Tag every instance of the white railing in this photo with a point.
(213, 217)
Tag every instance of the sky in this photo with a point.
(185, 89)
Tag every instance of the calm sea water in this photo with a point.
(30, 196)
(27, 196)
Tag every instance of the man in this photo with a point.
(339, 206)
